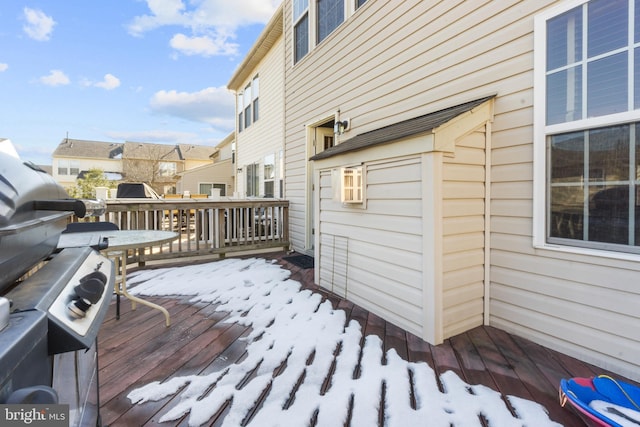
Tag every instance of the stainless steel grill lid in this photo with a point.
(34, 210)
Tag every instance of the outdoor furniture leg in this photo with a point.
(121, 289)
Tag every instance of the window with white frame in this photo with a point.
(300, 29)
(255, 93)
(314, 20)
(247, 106)
(281, 173)
(167, 169)
(68, 167)
(360, 3)
(206, 187)
(253, 180)
(269, 175)
(330, 15)
(352, 188)
(240, 111)
(588, 62)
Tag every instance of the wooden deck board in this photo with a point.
(139, 349)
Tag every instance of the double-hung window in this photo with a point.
(330, 15)
(315, 20)
(240, 111)
(269, 175)
(253, 180)
(300, 29)
(206, 187)
(167, 169)
(248, 100)
(247, 106)
(588, 121)
(68, 167)
(255, 94)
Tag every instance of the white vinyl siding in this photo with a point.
(395, 60)
(413, 256)
(387, 78)
(265, 136)
(66, 166)
(381, 246)
(219, 173)
(463, 193)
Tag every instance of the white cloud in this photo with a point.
(212, 105)
(55, 78)
(213, 23)
(3, 67)
(110, 82)
(206, 14)
(39, 26)
(163, 12)
(204, 46)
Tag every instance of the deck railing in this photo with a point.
(205, 226)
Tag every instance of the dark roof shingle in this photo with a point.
(399, 130)
(91, 149)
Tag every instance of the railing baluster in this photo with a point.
(205, 226)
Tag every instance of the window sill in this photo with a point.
(599, 253)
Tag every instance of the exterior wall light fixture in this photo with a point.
(340, 127)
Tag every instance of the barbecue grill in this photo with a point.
(50, 317)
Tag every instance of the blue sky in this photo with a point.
(126, 70)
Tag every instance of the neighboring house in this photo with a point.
(73, 157)
(217, 175)
(258, 84)
(156, 164)
(490, 166)
(194, 156)
(159, 164)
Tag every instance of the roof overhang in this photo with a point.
(440, 130)
(259, 50)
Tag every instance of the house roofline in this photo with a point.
(259, 50)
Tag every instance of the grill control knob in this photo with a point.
(91, 286)
(78, 308)
(88, 292)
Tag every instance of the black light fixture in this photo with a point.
(340, 127)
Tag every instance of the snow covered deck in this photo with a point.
(209, 367)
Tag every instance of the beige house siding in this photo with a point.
(265, 136)
(403, 253)
(84, 164)
(380, 246)
(192, 164)
(391, 61)
(216, 173)
(463, 193)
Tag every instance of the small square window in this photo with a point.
(352, 190)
